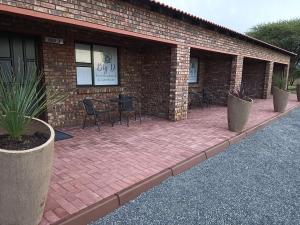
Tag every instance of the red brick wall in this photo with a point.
(59, 65)
(144, 69)
(156, 80)
(268, 79)
(214, 75)
(236, 72)
(254, 77)
(139, 19)
(180, 63)
(217, 77)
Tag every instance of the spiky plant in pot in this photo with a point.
(238, 108)
(23, 97)
(279, 82)
(280, 94)
(241, 92)
(26, 146)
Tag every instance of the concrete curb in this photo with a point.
(136, 189)
(237, 138)
(91, 213)
(187, 164)
(216, 149)
(108, 205)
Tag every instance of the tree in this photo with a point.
(294, 74)
(284, 34)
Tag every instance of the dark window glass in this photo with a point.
(4, 47)
(30, 48)
(5, 69)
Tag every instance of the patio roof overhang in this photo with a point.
(79, 23)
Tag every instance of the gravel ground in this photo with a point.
(256, 181)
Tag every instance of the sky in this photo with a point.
(239, 15)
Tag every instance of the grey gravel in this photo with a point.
(256, 181)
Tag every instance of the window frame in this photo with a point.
(198, 67)
(84, 64)
(91, 65)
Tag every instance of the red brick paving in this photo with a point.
(92, 165)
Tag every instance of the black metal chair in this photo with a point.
(208, 97)
(90, 109)
(195, 98)
(129, 105)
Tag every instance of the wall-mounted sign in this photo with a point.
(53, 40)
(105, 65)
(193, 75)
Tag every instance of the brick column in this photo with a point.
(180, 64)
(286, 74)
(236, 72)
(268, 79)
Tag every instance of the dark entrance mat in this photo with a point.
(59, 135)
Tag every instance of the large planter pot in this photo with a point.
(238, 111)
(280, 99)
(298, 92)
(24, 179)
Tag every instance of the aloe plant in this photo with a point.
(279, 81)
(22, 97)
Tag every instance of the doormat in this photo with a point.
(59, 135)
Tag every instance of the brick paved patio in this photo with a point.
(92, 166)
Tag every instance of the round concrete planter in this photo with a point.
(280, 99)
(298, 92)
(238, 111)
(24, 179)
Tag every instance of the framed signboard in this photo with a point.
(105, 65)
(193, 75)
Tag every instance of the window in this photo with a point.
(84, 65)
(18, 53)
(84, 75)
(96, 65)
(105, 65)
(193, 75)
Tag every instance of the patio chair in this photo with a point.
(208, 97)
(90, 109)
(196, 98)
(129, 105)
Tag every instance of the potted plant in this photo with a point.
(26, 146)
(280, 94)
(238, 109)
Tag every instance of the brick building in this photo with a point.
(100, 48)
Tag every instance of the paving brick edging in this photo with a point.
(109, 204)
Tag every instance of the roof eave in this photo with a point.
(225, 29)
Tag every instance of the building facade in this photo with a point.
(101, 48)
